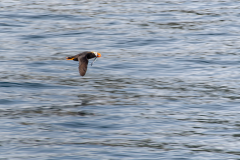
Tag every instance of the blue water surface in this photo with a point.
(166, 87)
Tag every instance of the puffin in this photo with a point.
(83, 60)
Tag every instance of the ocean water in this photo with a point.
(166, 87)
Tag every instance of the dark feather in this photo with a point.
(83, 63)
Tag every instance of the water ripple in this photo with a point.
(166, 86)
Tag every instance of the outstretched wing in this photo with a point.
(83, 63)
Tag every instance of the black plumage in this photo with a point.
(83, 60)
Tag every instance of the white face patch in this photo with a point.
(95, 53)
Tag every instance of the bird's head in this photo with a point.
(97, 54)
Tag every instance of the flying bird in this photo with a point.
(83, 60)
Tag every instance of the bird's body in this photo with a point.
(83, 60)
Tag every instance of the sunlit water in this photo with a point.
(166, 87)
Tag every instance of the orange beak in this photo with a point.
(99, 55)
